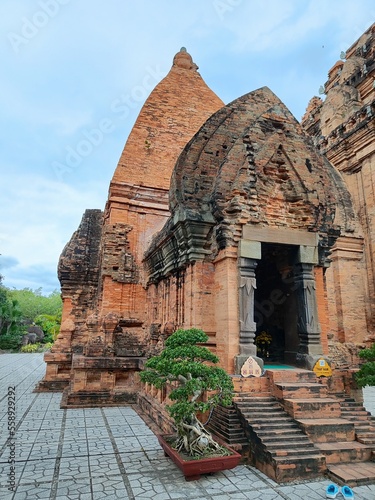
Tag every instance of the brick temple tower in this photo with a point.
(343, 129)
(103, 330)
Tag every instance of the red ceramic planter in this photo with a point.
(192, 469)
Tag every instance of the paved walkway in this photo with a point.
(110, 453)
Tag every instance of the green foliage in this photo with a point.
(50, 324)
(32, 303)
(21, 307)
(38, 347)
(10, 318)
(10, 342)
(366, 375)
(184, 363)
(30, 348)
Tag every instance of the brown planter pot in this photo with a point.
(192, 469)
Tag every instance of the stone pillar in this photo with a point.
(249, 254)
(310, 348)
(247, 288)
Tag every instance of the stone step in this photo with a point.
(259, 416)
(351, 404)
(273, 426)
(355, 410)
(279, 376)
(272, 435)
(231, 433)
(288, 438)
(294, 466)
(369, 440)
(289, 445)
(292, 452)
(252, 399)
(355, 417)
(305, 408)
(352, 473)
(284, 390)
(225, 424)
(344, 451)
(263, 409)
(328, 430)
(227, 418)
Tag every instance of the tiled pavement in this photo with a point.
(110, 453)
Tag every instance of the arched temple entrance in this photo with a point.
(275, 303)
(277, 296)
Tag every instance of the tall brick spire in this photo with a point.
(107, 319)
(172, 114)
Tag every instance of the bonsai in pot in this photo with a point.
(190, 369)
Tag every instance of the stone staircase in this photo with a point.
(299, 430)
(225, 424)
(279, 448)
(364, 422)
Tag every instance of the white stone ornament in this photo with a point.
(251, 368)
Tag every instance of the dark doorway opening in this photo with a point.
(275, 307)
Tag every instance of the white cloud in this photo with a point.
(40, 217)
(63, 81)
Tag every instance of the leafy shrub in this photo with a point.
(50, 324)
(38, 347)
(366, 375)
(10, 341)
(30, 348)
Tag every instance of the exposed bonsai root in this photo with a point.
(195, 440)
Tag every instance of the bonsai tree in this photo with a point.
(185, 364)
(366, 375)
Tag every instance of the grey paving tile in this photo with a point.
(126, 444)
(122, 431)
(112, 488)
(104, 465)
(4, 471)
(73, 490)
(94, 422)
(43, 450)
(31, 426)
(28, 492)
(138, 463)
(98, 447)
(97, 433)
(71, 434)
(48, 423)
(48, 435)
(146, 486)
(235, 495)
(74, 468)
(22, 452)
(72, 423)
(38, 471)
(78, 448)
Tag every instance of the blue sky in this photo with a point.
(74, 71)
